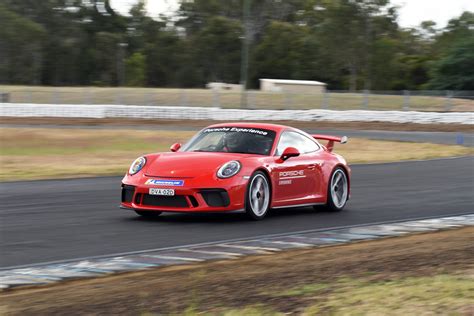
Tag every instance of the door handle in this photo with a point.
(315, 165)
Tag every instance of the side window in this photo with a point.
(285, 141)
(300, 142)
(309, 145)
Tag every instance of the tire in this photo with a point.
(338, 190)
(258, 196)
(148, 214)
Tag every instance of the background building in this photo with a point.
(293, 86)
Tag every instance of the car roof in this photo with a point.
(273, 127)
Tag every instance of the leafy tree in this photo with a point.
(286, 51)
(384, 64)
(162, 52)
(412, 72)
(218, 49)
(135, 70)
(349, 44)
(451, 62)
(455, 71)
(21, 43)
(458, 29)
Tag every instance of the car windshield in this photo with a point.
(233, 140)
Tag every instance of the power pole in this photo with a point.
(120, 63)
(245, 54)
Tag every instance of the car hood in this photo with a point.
(188, 164)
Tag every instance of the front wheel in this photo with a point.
(338, 190)
(257, 201)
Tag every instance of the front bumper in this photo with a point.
(222, 195)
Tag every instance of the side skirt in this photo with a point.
(297, 205)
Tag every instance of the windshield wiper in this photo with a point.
(239, 152)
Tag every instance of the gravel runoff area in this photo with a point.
(429, 273)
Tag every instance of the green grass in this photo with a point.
(307, 289)
(227, 99)
(434, 295)
(247, 311)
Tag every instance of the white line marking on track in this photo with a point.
(211, 252)
(320, 238)
(297, 244)
(175, 258)
(250, 247)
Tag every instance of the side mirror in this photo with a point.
(288, 153)
(175, 147)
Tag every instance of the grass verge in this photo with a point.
(229, 99)
(425, 274)
(438, 294)
(36, 153)
(29, 153)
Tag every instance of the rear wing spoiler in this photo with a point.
(331, 140)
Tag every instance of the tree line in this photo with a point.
(348, 44)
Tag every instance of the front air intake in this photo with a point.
(127, 193)
(215, 197)
(165, 201)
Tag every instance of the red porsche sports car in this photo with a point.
(239, 166)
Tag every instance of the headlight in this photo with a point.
(137, 165)
(229, 169)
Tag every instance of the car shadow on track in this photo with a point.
(229, 217)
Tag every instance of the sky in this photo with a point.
(411, 13)
(154, 7)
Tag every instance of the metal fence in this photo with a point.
(438, 101)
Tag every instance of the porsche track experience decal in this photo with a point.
(175, 183)
(236, 129)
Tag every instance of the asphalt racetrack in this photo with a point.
(65, 219)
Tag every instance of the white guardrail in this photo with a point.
(205, 113)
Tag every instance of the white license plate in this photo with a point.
(155, 191)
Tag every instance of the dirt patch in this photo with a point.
(198, 124)
(259, 280)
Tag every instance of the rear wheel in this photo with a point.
(257, 201)
(338, 190)
(148, 214)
